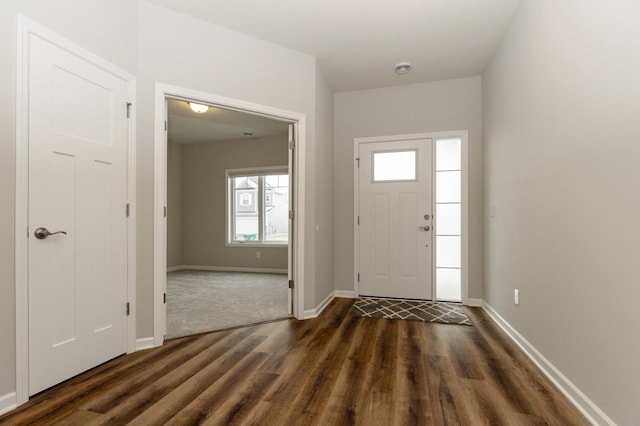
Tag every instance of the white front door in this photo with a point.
(78, 137)
(395, 235)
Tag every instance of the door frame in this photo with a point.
(165, 91)
(464, 136)
(26, 28)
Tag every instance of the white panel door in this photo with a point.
(77, 184)
(395, 219)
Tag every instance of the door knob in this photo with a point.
(424, 228)
(42, 233)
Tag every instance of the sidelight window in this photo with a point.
(448, 175)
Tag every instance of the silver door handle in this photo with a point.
(424, 228)
(42, 233)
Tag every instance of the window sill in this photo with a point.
(256, 244)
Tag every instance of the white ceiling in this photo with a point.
(358, 42)
(186, 126)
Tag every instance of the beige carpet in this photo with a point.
(201, 301)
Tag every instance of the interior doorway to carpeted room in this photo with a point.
(228, 197)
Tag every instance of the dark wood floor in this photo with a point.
(333, 370)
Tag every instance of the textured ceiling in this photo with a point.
(358, 42)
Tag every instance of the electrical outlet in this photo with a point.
(516, 296)
(258, 254)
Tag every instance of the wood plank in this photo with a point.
(330, 370)
(124, 391)
(307, 407)
(413, 406)
(237, 407)
(204, 405)
(79, 418)
(180, 387)
(345, 405)
(59, 401)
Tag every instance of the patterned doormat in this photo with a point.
(417, 310)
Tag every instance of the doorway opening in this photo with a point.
(227, 179)
(411, 217)
(227, 219)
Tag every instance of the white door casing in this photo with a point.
(297, 163)
(77, 283)
(395, 227)
(290, 249)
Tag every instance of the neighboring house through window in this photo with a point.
(258, 206)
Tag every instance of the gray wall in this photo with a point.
(183, 51)
(324, 283)
(174, 204)
(204, 206)
(107, 28)
(416, 108)
(561, 101)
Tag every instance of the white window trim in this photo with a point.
(229, 205)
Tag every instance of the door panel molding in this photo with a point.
(395, 254)
(25, 29)
(464, 136)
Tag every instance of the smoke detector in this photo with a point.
(403, 68)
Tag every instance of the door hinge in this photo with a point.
(165, 125)
(291, 284)
(128, 309)
(129, 109)
(165, 211)
(358, 220)
(128, 210)
(292, 136)
(292, 214)
(358, 276)
(164, 298)
(358, 161)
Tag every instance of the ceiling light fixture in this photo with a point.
(403, 68)
(199, 108)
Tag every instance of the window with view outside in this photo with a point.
(277, 208)
(259, 208)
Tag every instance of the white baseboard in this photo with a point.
(227, 269)
(474, 302)
(345, 294)
(309, 314)
(144, 343)
(325, 303)
(8, 402)
(313, 313)
(587, 407)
